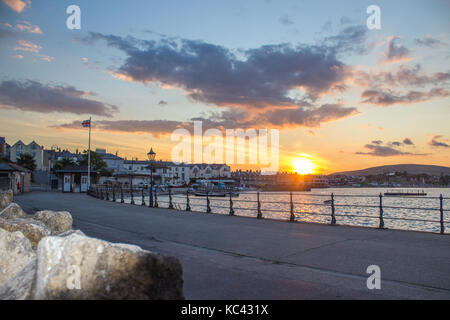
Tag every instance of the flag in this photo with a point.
(86, 123)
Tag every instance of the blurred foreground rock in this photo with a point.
(6, 197)
(69, 265)
(17, 265)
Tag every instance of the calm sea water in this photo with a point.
(353, 206)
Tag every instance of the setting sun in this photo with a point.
(303, 166)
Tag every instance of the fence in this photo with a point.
(331, 211)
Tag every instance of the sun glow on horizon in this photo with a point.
(303, 166)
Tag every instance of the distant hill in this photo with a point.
(410, 168)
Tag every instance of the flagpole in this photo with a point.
(89, 157)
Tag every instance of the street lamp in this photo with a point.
(151, 157)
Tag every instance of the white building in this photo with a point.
(210, 171)
(164, 172)
(113, 161)
(34, 149)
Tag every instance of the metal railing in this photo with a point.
(147, 197)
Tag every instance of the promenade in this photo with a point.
(232, 257)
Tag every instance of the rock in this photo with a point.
(12, 210)
(79, 267)
(32, 229)
(6, 197)
(68, 233)
(17, 266)
(57, 221)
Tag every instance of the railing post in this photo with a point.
(333, 217)
(259, 215)
(97, 195)
(150, 196)
(441, 201)
(107, 194)
(132, 196)
(170, 198)
(381, 225)
(101, 193)
(114, 194)
(155, 203)
(188, 205)
(121, 195)
(231, 206)
(292, 217)
(142, 196)
(208, 207)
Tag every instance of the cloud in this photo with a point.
(156, 128)
(378, 150)
(33, 96)
(213, 74)
(17, 5)
(408, 141)
(403, 75)
(428, 41)
(285, 20)
(388, 97)
(28, 46)
(230, 119)
(350, 39)
(436, 143)
(396, 52)
(377, 142)
(28, 27)
(272, 84)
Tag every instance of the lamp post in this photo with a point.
(151, 157)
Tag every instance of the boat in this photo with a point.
(401, 193)
(203, 193)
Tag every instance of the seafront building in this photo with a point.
(34, 149)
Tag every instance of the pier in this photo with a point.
(234, 257)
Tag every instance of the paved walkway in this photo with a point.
(227, 257)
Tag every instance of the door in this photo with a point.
(67, 185)
(83, 184)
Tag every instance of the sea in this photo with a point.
(352, 206)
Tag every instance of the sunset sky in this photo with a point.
(343, 97)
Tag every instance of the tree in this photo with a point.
(61, 164)
(26, 160)
(97, 163)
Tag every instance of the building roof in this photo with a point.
(76, 169)
(6, 166)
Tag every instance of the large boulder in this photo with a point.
(11, 211)
(34, 230)
(6, 197)
(17, 266)
(79, 267)
(57, 221)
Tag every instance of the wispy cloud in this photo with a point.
(388, 97)
(17, 5)
(28, 27)
(436, 141)
(28, 46)
(429, 41)
(396, 52)
(377, 149)
(33, 96)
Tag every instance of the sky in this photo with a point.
(343, 96)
